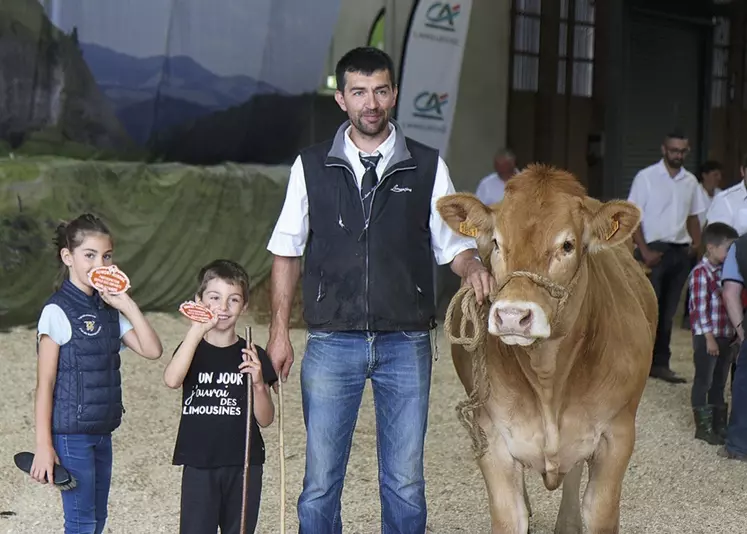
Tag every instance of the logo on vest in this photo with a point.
(398, 189)
(90, 327)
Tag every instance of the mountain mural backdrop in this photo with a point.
(190, 81)
(155, 94)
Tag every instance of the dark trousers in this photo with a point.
(668, 278)
(736, 437)
(711, 372)
(211, 498)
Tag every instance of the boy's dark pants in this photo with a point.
(711, 372)
(212, 498)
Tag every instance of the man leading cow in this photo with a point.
(361, 207)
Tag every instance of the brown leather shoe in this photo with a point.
(666, 374)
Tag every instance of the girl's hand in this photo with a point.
(42, 469)
(119, 302)
(251, 365)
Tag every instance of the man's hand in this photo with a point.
(651, 257)
(469, 268)
(280, 351)
(477, 276)
(693, 249)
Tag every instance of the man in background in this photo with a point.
(669, 234)
(730, 206)
(490, 189)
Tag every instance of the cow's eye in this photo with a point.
(568, 247)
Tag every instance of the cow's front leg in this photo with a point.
(606, 472)
(569, 516)
(504, 479)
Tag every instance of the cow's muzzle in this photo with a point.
(522, 323)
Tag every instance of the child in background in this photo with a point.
(712, 336)
(210, 365)
(78, 390)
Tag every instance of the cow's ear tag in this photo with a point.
(613, 230)
(467, 229)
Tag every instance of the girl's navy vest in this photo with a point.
(88, 390)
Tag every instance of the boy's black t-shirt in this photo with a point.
(212, 430)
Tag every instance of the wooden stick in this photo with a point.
(281, 447)
(248, 440)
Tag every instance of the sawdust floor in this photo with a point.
(673, 485)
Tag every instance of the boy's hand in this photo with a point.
(251, 365)
(711, 346)
(204, 328)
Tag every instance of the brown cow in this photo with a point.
(571, 331)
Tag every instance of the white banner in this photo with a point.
(431, 67)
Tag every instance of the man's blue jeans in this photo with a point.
(736, 437)
(333, 375)
(88, 458)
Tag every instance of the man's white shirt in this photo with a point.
(666, 202)
(708, 202)
(292, 228)
(730, 207)
(490, 189)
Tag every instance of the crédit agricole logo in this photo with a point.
(442, 15)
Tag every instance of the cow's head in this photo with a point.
(537, 242)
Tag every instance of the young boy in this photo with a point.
(210, 364)
(712, 336)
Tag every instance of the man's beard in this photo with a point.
(370, 129)
(675, 163)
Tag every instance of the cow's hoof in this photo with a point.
(569, 528)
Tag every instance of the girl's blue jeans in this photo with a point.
(88, 458)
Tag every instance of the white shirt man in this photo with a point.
(730, 207)
(666, 202)
(708, 200)
(491, 188)
(670, 200)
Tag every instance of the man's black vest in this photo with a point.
(378, 278)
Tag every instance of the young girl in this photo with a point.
(210, 367)
(78, 390)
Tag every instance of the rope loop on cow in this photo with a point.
(556, 291)
(473, 332)
(473, 337)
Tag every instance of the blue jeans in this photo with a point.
(736, 437)
(333, 375)
(88, 458)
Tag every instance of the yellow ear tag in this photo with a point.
(613, 230)
(467, 229)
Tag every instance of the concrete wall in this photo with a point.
(481, 113)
